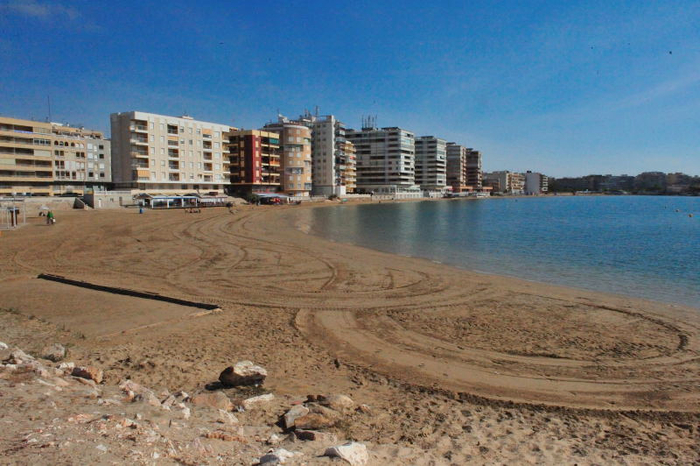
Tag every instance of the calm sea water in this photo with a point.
(632, 245)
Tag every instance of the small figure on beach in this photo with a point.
(50, 220)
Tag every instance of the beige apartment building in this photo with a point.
(348, 175)
(167, 154)
(47, 159)
(295, 142)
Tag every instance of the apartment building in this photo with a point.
(505, 182)
(295, 143)
(536, 183)
(160, 153)
(431, 163)
(456, 167)
(348, 176)
(255, 161)
(474, 172)
(46, 159)
(330, 154)
(385, 160)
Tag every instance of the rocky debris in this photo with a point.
(353, 452)
(174, 399)
(315, 436)
(294, 413)
(279, 456)
(242, 373)
(226, 418)
(18, 356)
(215, 400)
(341, 403)
(319, 417)
(136, 393)
(250, 403)
(364, 409)
(66, 367)
(88, 372)
(3, 346)
(55, 352)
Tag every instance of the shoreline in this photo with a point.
(609, 294)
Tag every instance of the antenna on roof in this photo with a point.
(316, 108)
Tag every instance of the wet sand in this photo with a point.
(477, 367)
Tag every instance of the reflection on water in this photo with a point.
(633, 245)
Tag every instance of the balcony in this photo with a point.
(174, 177)
(139, 154)
(140, 128)
(140, 141)
(173, 153)
(173, 166)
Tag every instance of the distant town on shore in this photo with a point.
(299, 158)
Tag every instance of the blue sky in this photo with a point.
(566, 88)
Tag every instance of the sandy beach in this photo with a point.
(458, 367)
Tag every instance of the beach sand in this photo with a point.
(460, 366)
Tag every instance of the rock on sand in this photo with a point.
(243, 373)
(352, 452)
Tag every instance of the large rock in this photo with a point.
(339, 403)
(294, 413)
(250, 403)
(3, 346)
(243, 373)
(88, 372)
(352, 452)
(216, 400)
(55, 352)
(315, 421)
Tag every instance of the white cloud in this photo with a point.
(39, 10)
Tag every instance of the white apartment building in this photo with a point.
(332, 158)
(431, 163)
(536, 183)
(385, 160)
(161, 153)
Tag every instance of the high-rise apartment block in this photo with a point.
(431, 163)
(332, 155)
(457, 167)
(474, 173)
(50, 158)
(385, 160)
(295, 141)
(255, 161)
(162, 153)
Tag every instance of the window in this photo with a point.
(162, 127)
(151, 126)
(216, 134)
(162, 151)
(162, 139)
(162, 163)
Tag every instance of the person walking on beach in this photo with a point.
(49, 218)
